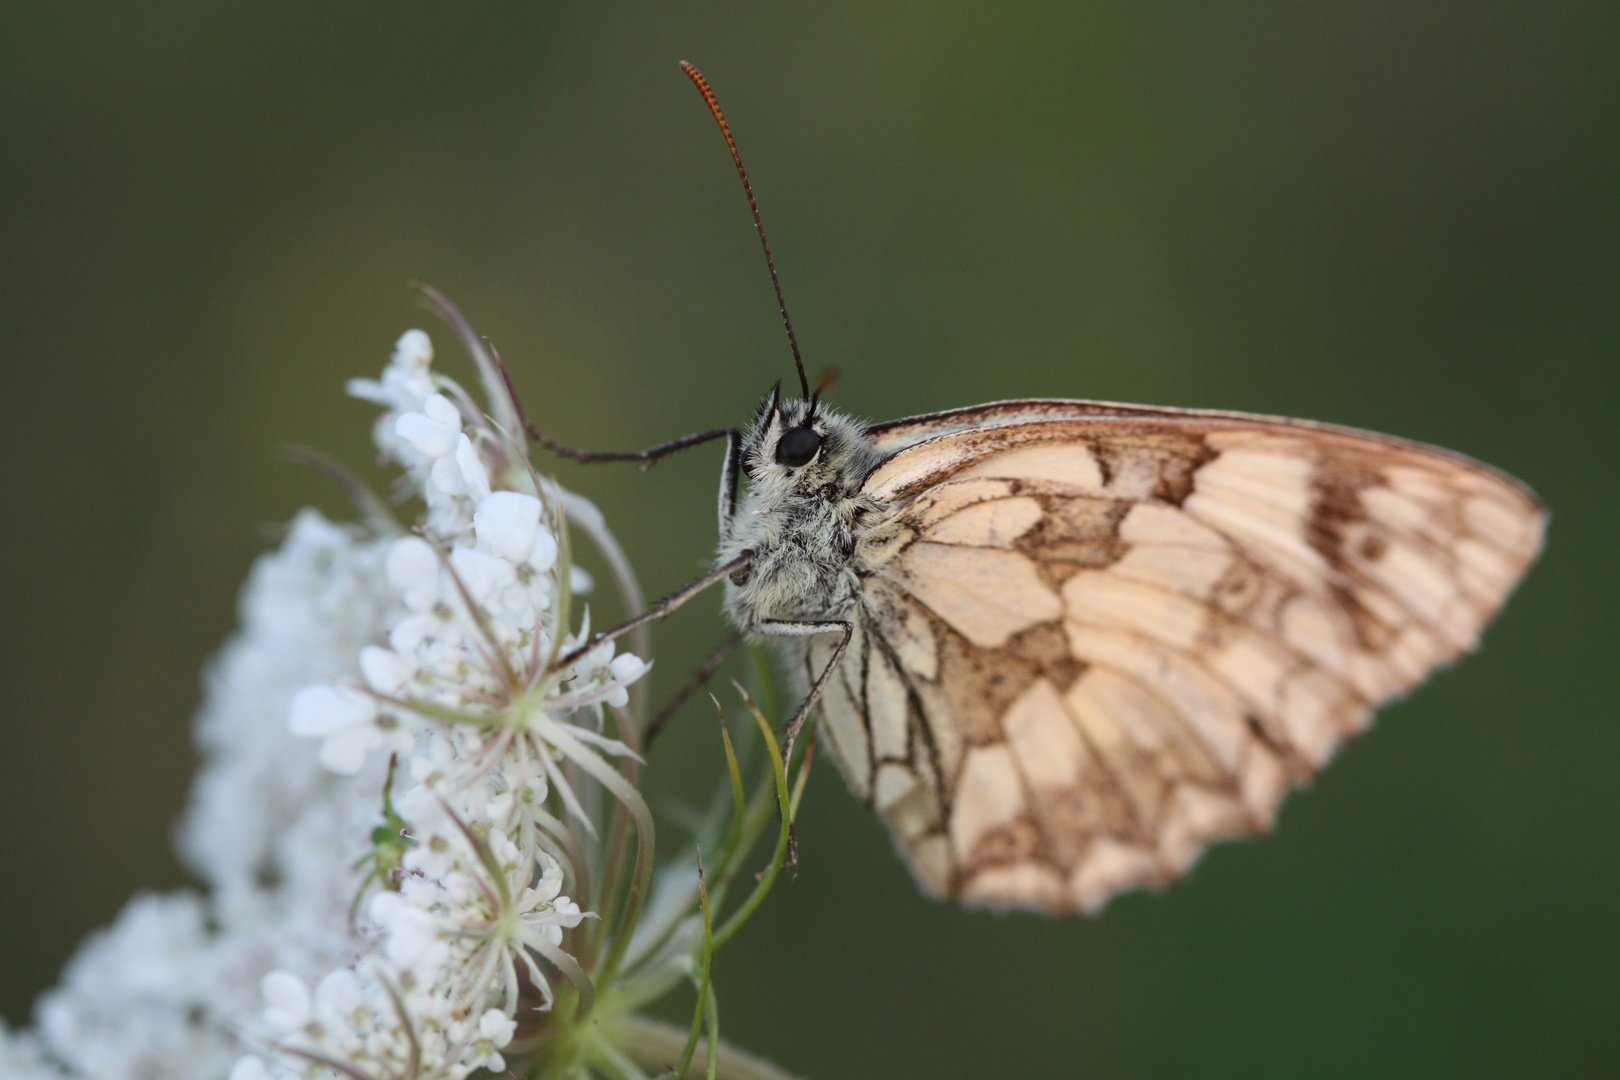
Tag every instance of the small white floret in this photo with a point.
(342, 719)
(497, 1027)
(413, 568)
(627, 668)
(249, 1068)
(384, 906)
(474, 479)
(508, 523)
(414, 349)
(366, 390)
(543, 552)
(384, 670)
(442, 410)
(319, 711)
(337, 997)
(445, 477)
(428, 436)
(434, 430)
(483, 576)
(286, 1001)
(495, 1030)
(413, 940)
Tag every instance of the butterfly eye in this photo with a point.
(797, 447)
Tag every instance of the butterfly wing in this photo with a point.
(1095, 638)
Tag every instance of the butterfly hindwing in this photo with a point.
(1093, 640)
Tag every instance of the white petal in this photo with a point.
(483, 575)
(413, 568)
(497, 1027)
(579, 581)
(337, 994)
(248, 1068)
(502, 848)
(507, 522)
(366, 390)
(627, 667)
(551, 878)
(412, 936)
(472, 468)
(515, 609)
(383, 669)
(426, 434)
(344, 752)
(446, 473)
(407, 635)
(442, 409)
(384, 906)
(414, 349)
(285, 990)
(542, 554)
(287, 1001)
(319, 711)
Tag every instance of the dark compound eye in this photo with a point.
(797, 447)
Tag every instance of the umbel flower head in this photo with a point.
(474, 690)
(418, 816)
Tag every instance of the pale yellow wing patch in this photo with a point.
(1090, 646)
(985, 593)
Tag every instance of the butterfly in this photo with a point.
(1063, 646)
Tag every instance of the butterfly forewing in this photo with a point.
(1093, 639)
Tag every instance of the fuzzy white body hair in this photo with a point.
(801, 524)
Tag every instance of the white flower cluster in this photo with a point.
(469, 692)
(428, 666)
(164, 989)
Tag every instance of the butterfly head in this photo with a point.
(796, 445)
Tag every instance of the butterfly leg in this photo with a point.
(646, 457)
(787, 628)
(663, 609)
(484, 352)
(729, 468)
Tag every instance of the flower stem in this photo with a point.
(784, 809)
(654, 1041)
(705, 991)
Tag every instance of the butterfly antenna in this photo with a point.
(714, 106)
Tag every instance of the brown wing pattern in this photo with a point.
(1090, 646)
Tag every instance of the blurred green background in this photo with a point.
(1401, 216)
